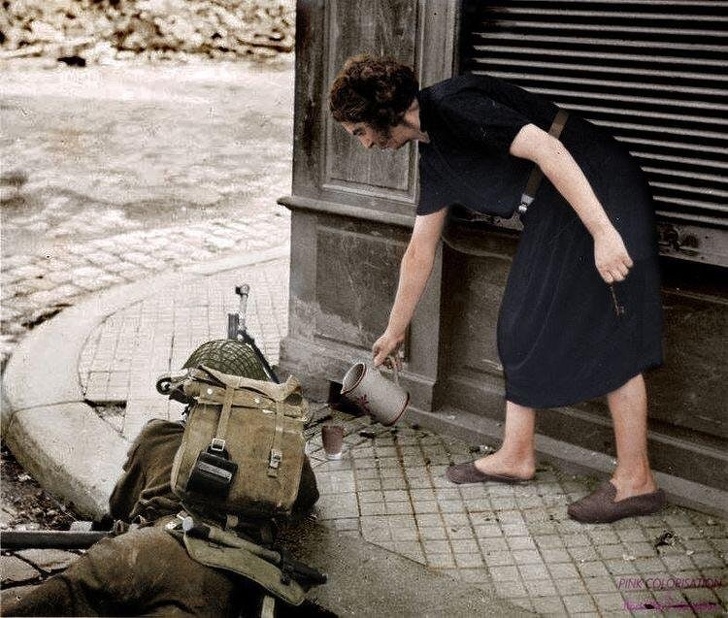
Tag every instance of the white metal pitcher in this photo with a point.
(374, 394)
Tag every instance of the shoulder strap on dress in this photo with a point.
(534, 180)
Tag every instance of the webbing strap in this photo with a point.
(276, 451)
(529, 193)
(268, 607)
(277, 392)
(222, 423)
(534, 180)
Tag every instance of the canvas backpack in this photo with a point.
(243, 447)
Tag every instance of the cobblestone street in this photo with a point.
(110, 174)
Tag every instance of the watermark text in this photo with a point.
(667, 583)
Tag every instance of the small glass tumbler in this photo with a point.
(333, 439)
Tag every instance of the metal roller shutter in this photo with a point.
(653, 72)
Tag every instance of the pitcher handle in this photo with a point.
(393, 365)
(393, 360)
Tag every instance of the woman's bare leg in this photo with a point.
(628, 406)
(516, 456)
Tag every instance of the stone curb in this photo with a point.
(368, 580)
(41, 381)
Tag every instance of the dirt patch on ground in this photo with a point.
(25, 504)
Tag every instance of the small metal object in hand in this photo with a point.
(618, 309)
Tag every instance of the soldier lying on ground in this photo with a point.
(146, 570)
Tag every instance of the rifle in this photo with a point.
(239, 332)
(290, 567)
(11, 540)
(15, 540)
(168, 384)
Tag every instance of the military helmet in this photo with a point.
(229, 356)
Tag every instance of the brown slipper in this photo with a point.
(468, 473)
(600, 507)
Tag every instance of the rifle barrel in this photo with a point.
(49, 539)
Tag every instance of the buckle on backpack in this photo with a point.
(276, 457)
(217, 445)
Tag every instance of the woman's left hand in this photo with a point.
(610, 255)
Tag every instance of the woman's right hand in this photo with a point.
(610, 255)
(415, 270)
(387, 345)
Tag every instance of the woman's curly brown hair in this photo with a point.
(375, 91)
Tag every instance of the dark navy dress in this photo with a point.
(560, 338)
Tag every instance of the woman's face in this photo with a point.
(393, 138)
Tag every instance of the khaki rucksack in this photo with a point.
(243, 447)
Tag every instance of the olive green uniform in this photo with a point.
(147, 571)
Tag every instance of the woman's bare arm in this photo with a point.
(414, 272)
(610, 255)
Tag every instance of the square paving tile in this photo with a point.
(608, 602)
(486, 531)
(600, 584)
(492, 544)
(451, 506)
(464, 546)
(592, 569)
(440, 560)
(521, 542)
(563, 570)
(572, 586)
(611, 552)
(432, 534)
(527, 556)
(337, 506)
(545, 606)
(540, 587)
(584, 553)
(512, 530)
(511, 590)
(555, 556)
(618, 566)
(498, 558)
(468, 560)
(534, 571)
(426, 507)
(550, 541)
(505, 573)
(427, 520)
(581, 603)
(411, 550)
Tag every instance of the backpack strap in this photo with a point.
(207, 385)
(218, 442)
(268, 607)
(276, 392)
(276, 449)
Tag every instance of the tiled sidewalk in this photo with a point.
(132, 347)
(390, 488)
